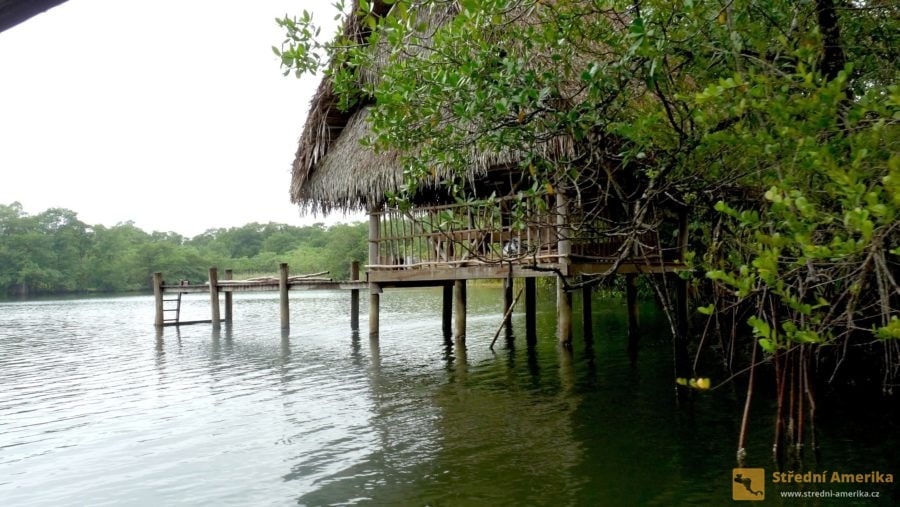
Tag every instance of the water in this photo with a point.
(97, 409)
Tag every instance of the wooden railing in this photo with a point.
(490, 231)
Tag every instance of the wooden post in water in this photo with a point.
(587, 293)
(374, 289)
(229, 275)
(158, 299)
(564, 248)
(530, 310)
(459, 294)
(631, 304)
(507, 302)
(283, 292)
(214, 297)
(354, 297)
(447, 309)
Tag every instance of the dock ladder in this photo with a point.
(170, 305)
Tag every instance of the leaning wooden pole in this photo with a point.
(283, 292)
(214, 297)
(158, 299)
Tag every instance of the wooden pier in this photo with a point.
(284, 283)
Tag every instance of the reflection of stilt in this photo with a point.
(566, 368)
(587, 313)
(631, 304)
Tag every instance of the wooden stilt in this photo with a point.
(283, 292)
(564, 249)
(447, 310)
(631, 304)
(214, 297)
(374, 289)
(530, 310)
(459, 294)
(229, 275)
(507, 302)
(587, 313)
(563, 314)
(374, 308)
(158, 299)
(354, 297)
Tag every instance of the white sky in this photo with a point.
(170, 113)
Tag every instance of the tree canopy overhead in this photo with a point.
(775, 121)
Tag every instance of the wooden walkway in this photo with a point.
(171, 293)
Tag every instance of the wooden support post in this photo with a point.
(374, 308)
(158, 298)
(229, 275)
(374, 289)
(283, 291)
(354, 297)
(631, 304)
(507, 302)
(587, 316)
(530, 310)
(447, 310)
(564, 248)
(563, 314)
(214, 297)
(459, 294)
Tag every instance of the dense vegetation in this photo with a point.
(55, 252)
(773, 122)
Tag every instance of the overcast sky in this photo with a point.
(173, 114)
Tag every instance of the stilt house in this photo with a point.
(440, 241)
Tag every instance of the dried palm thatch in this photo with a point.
(333, 170)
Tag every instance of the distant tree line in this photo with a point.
(55, 252)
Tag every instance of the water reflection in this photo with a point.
(252, 415)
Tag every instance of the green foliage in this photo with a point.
(54, 252)
(775, 121)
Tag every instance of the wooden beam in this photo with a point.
(507, 302)
(214, 297)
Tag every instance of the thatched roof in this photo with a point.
(332, 170)
(13, 12)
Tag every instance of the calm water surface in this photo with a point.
(96, 408)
